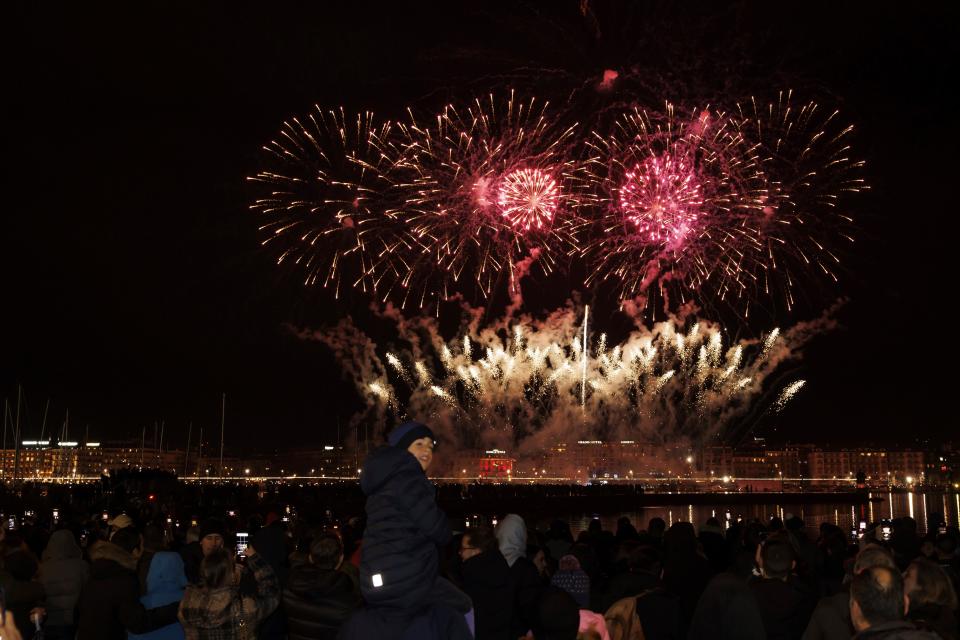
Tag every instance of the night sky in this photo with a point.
(136, 290)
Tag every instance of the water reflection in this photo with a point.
(844, 516)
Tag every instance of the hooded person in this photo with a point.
(512, 539)
(109, 603)
(486, 579)
(165, 584)
(63, 572)
(399, 562)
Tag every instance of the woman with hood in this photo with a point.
(217, 610)
(166, 581)
(512, 539)
(63, 572)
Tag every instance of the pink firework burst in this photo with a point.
(662, 197)
(529, 199)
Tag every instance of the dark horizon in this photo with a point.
(137, 290)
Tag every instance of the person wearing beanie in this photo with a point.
(399, 561)
(212, 535)
(572, 579)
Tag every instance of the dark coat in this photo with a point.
(22, 593)
(624, 585)
(529, 587)
(785, 606)
(317, 602)
(404, 527)
(727, 610)
(487, 580)
(438, 622)
(63, 573)
(831, 619)
(931, 617)
(895, 631)
(270, 543)
(659, 614)
(110, 602)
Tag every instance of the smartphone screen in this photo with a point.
(241, 543)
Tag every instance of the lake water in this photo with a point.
(919, 506)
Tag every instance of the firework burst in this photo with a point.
(541, 380)
(812, 170)
(678, 191)
(479, 188)
(716, 206)
(322, 196)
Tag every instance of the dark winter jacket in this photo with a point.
(931, 617)
(727, 610)
(529, 587)
(63, 572)
(659, 614)
(317, 602)
(895, 631)
(437, 622)
(487, 580)
(625, 585)
(399, 562)
(270, 543)
(109, 603)
(831, 619)
(785, 606)
(22, 592)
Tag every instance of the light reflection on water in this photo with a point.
(845, 516)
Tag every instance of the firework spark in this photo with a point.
(480, 189)
(324, 178)
(720, 206)
(536, 380)
(528, 198)
(679, 191)
(733, 207)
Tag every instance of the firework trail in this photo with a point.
(321, 201)
(480, 188)
(527, 385)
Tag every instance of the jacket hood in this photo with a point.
(382, 465)
(512, 538)
(165, 580)
(106, 550)
(62, 546)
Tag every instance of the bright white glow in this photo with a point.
(377, 580)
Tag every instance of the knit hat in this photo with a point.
(404, 435)
(574, 580)
(212, 526)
